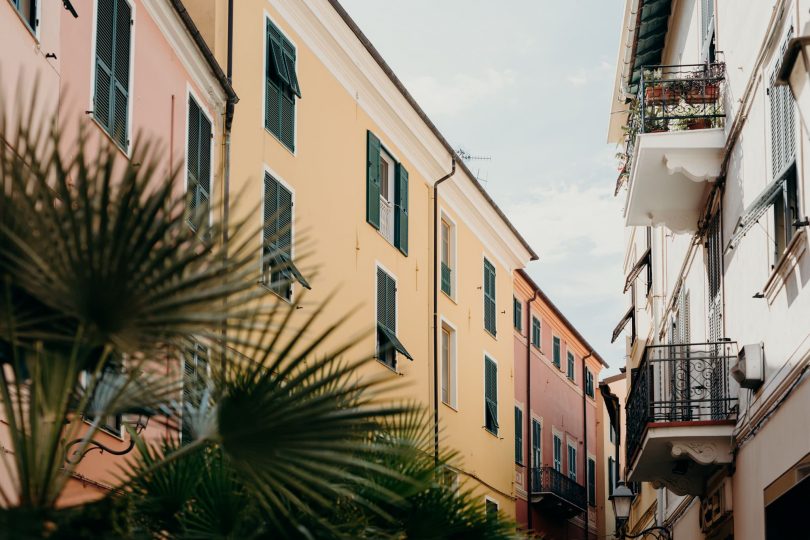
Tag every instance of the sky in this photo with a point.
(527, 83)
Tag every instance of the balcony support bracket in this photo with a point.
(703, 452)
(696, 166)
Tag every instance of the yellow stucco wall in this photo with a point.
(338, 250)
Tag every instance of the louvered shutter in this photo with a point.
(537, 459)
(518, 435)
(289, 64)
(591, 482)
(123, 29)
(275, 40)
(491, 394)
(391, 304)
(489, 298)
(401, 216)
(198, 163)
(271, 211)
(373, 180)
(381, 297)
(105, 46)
(111, 92)
(284, 225)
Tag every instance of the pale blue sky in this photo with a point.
(528, 83)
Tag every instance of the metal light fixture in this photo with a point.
(622, 498)
(136, 421)
(795, 72)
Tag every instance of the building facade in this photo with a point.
(370, 204)
(714, 174)
(556, 435)
(91, 65)
(610, 404)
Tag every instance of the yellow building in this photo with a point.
(331, 143)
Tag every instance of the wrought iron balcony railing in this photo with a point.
(550, 480)
(680, 383)
(674, 98)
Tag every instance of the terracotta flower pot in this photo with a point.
(660, 94)
(698, 123)
(707, 94)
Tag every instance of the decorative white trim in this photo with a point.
(186, 50)
(324, 32)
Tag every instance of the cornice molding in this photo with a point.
(326, 35)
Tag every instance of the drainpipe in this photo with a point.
(529, 405)
(436, 311)
(585, 441)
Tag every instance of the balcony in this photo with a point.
(553, 491)
(681, 414)
(675, 141)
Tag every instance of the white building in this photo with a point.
(716, 188)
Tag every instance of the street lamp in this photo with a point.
(622, 498)
(795, 72)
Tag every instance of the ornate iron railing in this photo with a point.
(550, 480)
(674, 98)
(680, 383)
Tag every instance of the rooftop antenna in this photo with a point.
(466, 156)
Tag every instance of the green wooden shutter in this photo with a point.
(556, 357)
(537, 459)
(518, 435)
(198, 164)
(373, 180)
(591, 482)
(111, 92)
(489, 298)
(281, 87)
(386, 300)
(491, 394)
(401, 216)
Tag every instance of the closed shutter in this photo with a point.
(373, 180)
(386, 301)
(556, 352)
(537, 459)
(517, 313)
(591, 482)
(198, 164)
(111, 92)
(195, 367)
(489, 298)
(401, 216)
(783, 139)
(714, 271)
(281, 87)
(557, 454)
(611, 477)
(491, 394)
(518, 435)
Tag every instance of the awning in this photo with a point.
(639, 266)
(755, 211)
(627, 317)
(281, 262)
(393, 341)
(613, 410)
(651, 32)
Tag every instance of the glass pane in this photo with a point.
(384, 179)
(445, 366)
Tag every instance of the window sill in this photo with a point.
(389, 367)
(268, 288)
(451, 297)
(494, 434)
(490, 334)
(784, 267)
(27, 26)
(453, 408)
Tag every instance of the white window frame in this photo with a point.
(33, 31)
(453, 253)
(380, 266)
(535, 462)
(489, 499)
(130, 101)
(266, 169)
(556, 436)
(453, 364)
(559, 339)
(191, 93)
(523, 452)
(571, 361)
(266, 18)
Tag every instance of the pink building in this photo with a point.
(120, 69)
(556, 439)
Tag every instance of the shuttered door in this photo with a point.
(111, 93)
(401, 216)
(489, 298)
(491, 394)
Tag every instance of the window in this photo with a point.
(278, 269)
(448, 365)
(557, 453)
(281, 87)
(707, 29)
(195, 371)
(570, 365)
(111, 92)
(537, 458)
(612, 433)
(110, 423)
(28, 11)
(386, 194)
(489, 298)
(518, 436)
(591, 482)
(536, 332)
(491, 395)
(572, 462)
(387, 342)
(491, 509)
(589, 390)
(450, 479)
(447, 256)
(611, 467)
(198, 166)
(556, 352)
(517, 314)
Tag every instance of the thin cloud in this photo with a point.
(461, 92)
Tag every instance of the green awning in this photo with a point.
(650, 37)
(393, 341)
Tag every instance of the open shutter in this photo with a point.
(373, 180)
(401, 217)
(284, 220)
(289, 63)
(192, 161)
(270, 213)
(489, 298)
(278, 69)
(105, 44)
(491, 394)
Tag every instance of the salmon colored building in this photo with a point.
(119, 69)
(556, 435)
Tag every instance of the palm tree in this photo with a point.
(103, 281)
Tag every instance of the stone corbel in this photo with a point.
(704, 453)
(697, 166)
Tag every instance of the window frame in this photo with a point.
(590, 465)
(34, 31)
(453, 364)
(556, 451)
(295, 99)
(517, 314)
(131, 76)
(192, 94)
(556, 351)
(572, 471)
(262, 279)
(519, 435)
(537, 343)
(490, 501)
(393, 352)
(571, 366)
(537, 450)
(489, 358)
(494, 331)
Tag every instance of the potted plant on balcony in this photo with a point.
(704, 86)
